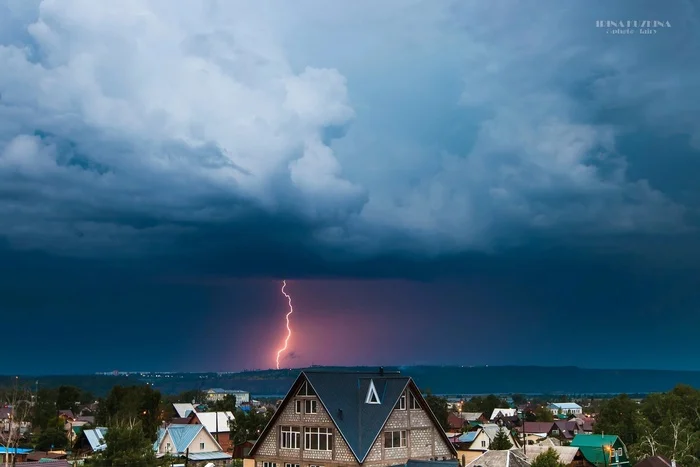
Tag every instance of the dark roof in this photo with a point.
(419, 463)
(656, 461)
(537, 427)
(343, 396)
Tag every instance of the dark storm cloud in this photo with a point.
(256, 141)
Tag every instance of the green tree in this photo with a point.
(549, 458)
(127, 445)
(620, 416)
(68, 398)
(248, 425)
(543, 414)
(228, 404)
(501, 442)
(519, 399)
(52, 436)
(140, 403)
(439, 407)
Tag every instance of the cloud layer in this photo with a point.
(420, 127)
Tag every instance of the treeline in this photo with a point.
(665, 424)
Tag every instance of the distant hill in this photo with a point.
(446, 380)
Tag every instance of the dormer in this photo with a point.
(372, 396)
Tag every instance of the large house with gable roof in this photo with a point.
(343, 419)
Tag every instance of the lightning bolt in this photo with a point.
(289, 329)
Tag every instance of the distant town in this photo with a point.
(339, 417)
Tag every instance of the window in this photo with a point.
(269, 464)
(306, 390)
(291, 465)
(167, 447)
(401, 404)
(555, 432)
(201, 446)
(619, 452)
(483, 444)
(297, 406)
(290, 437)
(395, 439)
(318, 439)
(413, 402)
(311, 406)
(372, 396)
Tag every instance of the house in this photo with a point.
(91, 441)
(184, 410)
(542, 429)
(43, 456)
(242, 450)
(218, 394)
(566, 408)
(191, 441)
(485, 434)
(501, 412)
(19, 455)
(455, 422)
(656, 461)
(509, 458)
(463, 444)
(216, 423)
(568, 455)
(602, 450)
(346, 418)
(473, 417)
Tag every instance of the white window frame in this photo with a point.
(319, 434)
(372, 395)
(413, 402)
(297, 405)
(269, 464)
(619, 452)
(201, 446)
(291, 465)
(290, 437)
(401, 403)
(390, 439)
(483, 443)
(306, 390)
(310, 406)
(168, 448)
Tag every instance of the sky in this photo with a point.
(439, 181)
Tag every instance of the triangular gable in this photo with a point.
(343, 397)
(372, 396)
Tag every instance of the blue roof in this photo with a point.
(4, 450)
(468, 437)
(208, 456)
(181, 436)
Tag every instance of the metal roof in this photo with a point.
(181, 436)
(419, 463)
(208, 456)
(183, 410)
(96, 438)
(209, 420)
(566, 405)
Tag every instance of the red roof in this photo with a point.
(538, 427)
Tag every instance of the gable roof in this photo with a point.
(510, 458)
(655, 461)
(592, 446)
(96, 438)
(506, 412)
(180, 435)
(209, 420)
(565, 405)
(420, 463)
(567, 454)
(183, 410)
(537, 427)
(343, 396)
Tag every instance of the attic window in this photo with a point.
(306, 390)
(372, 396)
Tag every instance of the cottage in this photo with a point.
(191, 441)
(486, 434)
(503, 412)
(218, 394)
(216, 423)
(342, 418)
(602, 450)
(568, 455)
(565, 408)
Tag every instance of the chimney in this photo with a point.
(381, 371)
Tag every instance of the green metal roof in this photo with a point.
(592, 447)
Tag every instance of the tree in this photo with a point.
(126, 404)
(549, 458)
(248, 425)
(18, 399)
(620, 415)
(52, 436)
(543, 414)
(501, 442)
(519, 399)
(127, 445)
(439, 407)
(44, 408)
(228, 404)
(67, 398)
